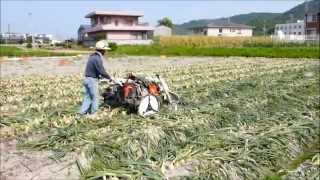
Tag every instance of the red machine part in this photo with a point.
(154, 89)
(128, 89)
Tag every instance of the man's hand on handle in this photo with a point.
(105, 80)
(111, 80)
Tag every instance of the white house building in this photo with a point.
(290, 31)
(120, 27)
(20, 38)
(162, 31)
(228, 29)
(12, 37)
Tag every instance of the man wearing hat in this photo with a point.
(93, 72)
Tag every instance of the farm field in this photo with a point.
(18, 52)
(268, 52)
(223, 47)
(241, 118)
(191, 46)
(211, 41)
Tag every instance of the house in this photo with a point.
(162, 31)
(115, 26)
(42, 38)
(290, 31)
(229, 29)
(12, 38)
(19, 38)
(312, 25)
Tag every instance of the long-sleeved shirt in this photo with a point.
(95, 68)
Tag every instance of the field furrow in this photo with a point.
(240, 119)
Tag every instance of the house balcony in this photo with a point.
(143, 24)
(109, 27)
(131, 41)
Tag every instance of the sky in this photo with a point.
(63, 18)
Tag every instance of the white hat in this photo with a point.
(102, 44)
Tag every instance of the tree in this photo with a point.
(29, 45)
(29, 39)
(166, 22)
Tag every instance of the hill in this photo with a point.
(262, 22)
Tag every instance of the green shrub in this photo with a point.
(29, 45)
(59, 44)
(113, 46)
(20, 41)
(29, 39)
(69, 46)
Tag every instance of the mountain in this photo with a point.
(298, 12)
(260, 21)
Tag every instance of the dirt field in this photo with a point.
(18, 164)
(75, 65)
(22, 165)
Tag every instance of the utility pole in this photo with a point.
(9, 33)
(30, 23)
(290, 26)
(306, 9)
(264, 28)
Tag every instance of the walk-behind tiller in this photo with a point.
(143, 95)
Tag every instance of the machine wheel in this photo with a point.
(149, 105)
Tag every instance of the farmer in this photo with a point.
(93, 72)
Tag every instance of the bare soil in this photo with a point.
(34, 165)
(75, 65)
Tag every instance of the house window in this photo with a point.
(299, 26)
(104, 20)
(232, 30)
(99, 20)
(108, 20)
(220, 30)
(311, 32)
(294, 33)
(130, 22)
(116, 22)
(294, 27)
(299, 33)
(314, 18)
(309, 18)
